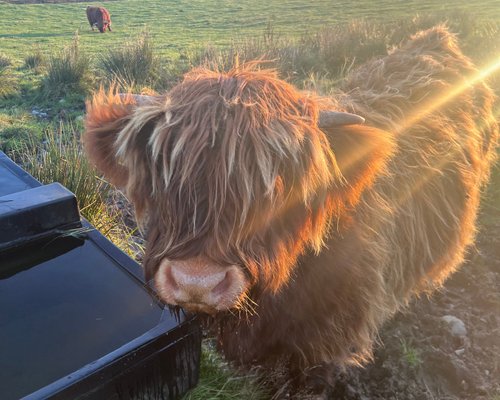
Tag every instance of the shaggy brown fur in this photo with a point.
(335, 228)
(99, 16)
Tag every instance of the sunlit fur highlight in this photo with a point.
(107, 114)
(335, 229)
(106, 19)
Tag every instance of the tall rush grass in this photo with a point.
(8, 84)
(328, 54)
(67, 72)
(35, 60)
(131, 66)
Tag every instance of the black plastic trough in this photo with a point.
(76, 319)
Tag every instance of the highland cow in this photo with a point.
(298, 227)
(99, 17)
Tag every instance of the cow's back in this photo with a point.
(105, 15)
(93, 14)
(424, 209)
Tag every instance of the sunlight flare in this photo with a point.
(434, 104)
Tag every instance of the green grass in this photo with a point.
(178, 26)
(8, 84)
(410, 354)
(5, 61)
(218, 381)
(17, 134)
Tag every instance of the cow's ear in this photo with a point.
(117, 130)
(362, 153)
(107, 114)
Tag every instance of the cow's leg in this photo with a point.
(109, 27)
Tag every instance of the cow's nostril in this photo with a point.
(171, 279)
(223, 286)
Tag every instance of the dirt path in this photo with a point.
(445, 347)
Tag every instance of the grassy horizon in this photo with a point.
(180, 26)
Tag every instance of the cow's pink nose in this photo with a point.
(200, 285)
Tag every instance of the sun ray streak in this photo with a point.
(436, 103)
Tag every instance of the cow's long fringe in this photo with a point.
(240, 150)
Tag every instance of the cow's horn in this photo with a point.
(328, 119)
(140, 99)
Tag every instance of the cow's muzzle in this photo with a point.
(199, 285)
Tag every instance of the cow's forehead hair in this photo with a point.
(221, 150)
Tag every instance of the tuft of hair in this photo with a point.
(107, 112)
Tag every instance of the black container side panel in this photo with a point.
(64, 313)
(164, 369)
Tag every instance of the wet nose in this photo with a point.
(200, 286)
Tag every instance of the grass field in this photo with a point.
(179, 25)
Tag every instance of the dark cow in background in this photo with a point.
(300, 229)
(99, 16)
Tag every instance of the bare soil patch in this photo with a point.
(424, 357)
